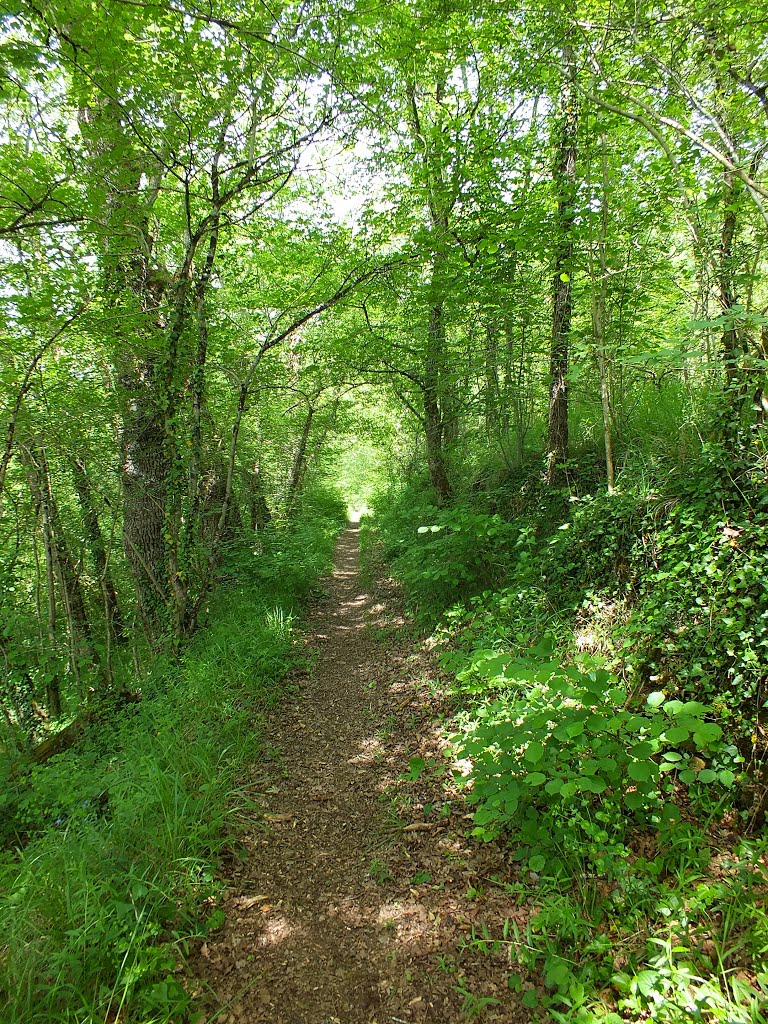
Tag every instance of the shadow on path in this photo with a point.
(331, 919)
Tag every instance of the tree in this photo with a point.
(564, 183)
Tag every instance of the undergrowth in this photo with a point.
(109, 866)
(607, 655)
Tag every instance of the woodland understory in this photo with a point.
(493, 276)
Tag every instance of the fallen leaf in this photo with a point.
(248, 901)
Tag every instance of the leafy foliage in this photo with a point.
(604, 753)
(119, 838)
(561, 761)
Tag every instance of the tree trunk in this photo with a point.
(599, 306)
(433, 413)
(59, 564)
(491, 378)
(439, 420)
(143, 473)
(296, 473)
(42, 507)
(214, 498)
(257, 503)
(564, 182)
(78, 625)
(131, 287)
(115, 627)
(726, 287)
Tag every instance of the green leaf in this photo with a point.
(537, 863)
(670, 815)
(531, 999)
(655, 699)
(556, 973)
(677, 734)
(535, 778)
(534, 752)
(634, 801)
(640, 771)
(647, 982)
(642, 751)
(593, 784)
(705, 733)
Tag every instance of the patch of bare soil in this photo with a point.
(360, 894)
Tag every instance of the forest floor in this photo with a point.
(359, 892)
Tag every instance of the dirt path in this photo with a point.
(360, 888)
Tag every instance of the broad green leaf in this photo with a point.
(534, 752)
(592, 784)
(634, 801)
(677, 734)
(640, 771)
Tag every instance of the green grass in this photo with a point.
(113, 867)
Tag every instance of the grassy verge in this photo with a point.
(110, 868)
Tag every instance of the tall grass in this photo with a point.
(113, 866)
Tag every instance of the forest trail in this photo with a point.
(359, 886)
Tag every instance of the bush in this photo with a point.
(562, 760)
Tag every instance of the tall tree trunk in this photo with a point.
(564, 182)
(78, 625)
(726, 287)
(43, 510)
(440, 200)
(143, 473)
(60, 565)
(514, 395)
(113, 616)
(433, 413)
(257, 504)
(599, 306)
(491, 395)
(132, 288)
(296, 472)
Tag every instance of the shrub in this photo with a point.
(560, 758)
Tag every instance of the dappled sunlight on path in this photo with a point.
(331, 918)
